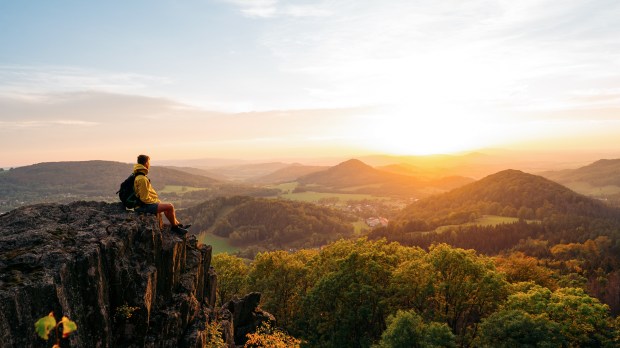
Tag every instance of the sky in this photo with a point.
(265, 79)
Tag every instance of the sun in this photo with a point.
(424, 131)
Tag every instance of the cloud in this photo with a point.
(20, 125)
(30, 80)
(484, 53)
(277, 9)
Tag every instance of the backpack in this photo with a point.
(127, 194)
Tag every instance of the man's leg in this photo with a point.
(168, 210)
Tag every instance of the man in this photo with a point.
(150, 201)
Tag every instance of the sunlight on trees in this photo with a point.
(231, 276)
(361, 293)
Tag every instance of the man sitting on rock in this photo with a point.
(150, 201)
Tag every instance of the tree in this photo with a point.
(465, 288)
(281, 278)
(213, 336)
(583, 321)
(345, 307)
(516, 328)
(521, 268)
(231, 276)
(266, 336)
(412, 284)
(407, 329)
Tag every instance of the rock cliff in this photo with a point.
(126, 281)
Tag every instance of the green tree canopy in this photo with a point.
(407, 329)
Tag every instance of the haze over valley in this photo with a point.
(367, 174)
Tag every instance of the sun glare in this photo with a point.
(422, 131)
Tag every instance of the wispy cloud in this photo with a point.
(30, 80)
(16, 125)
(275, 8)
(480, 52)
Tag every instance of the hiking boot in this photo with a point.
(178, 230)
(184, 226)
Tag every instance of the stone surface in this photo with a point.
(95, 263)
(247, 316)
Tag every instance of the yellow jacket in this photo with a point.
(142, 186)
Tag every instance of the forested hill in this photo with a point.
(271, 223)
(508, 193)
(356, 176)
(95, 176)
(351, 173)
(603, 172)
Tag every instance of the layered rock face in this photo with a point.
(125, 281)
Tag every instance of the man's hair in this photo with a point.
(142, 159)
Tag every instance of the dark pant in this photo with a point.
(147, 208)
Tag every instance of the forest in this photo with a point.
(549, 279)
(269, 223)
(363, 293)
(575, 236)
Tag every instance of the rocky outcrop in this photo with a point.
(125, 281)
(247, 316)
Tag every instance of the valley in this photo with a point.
(532, 228)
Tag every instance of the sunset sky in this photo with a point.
(267, 79)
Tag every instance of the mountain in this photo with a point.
(202, 172)
(92, 180)
(485, 162)
(605, 172)
(93, 176)
(508, 193)
(405, 169)
(244, 172)
(287, 174)
(356, 176)
(351, 173)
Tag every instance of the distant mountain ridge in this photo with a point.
(95, 176)
(600, 173)
(351, 173)
(83, 180)
(357, 176)
(508, 193)
(287, 174)
(246, 172)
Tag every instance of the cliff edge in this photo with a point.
(125, 281)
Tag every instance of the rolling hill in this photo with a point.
(268, 223)
(93, 176)
(508, 193)
(600, 174)
(201, 172)
(351, 173)
(356, 176)
(287, 174)
(548, 214)
(243, 172)
(83, 180)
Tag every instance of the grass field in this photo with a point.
(314, 197)
(286, 187)
(485, 220)
(219, 244)
(180, 189)
(359, 226)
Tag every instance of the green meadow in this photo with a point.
(180, 189)
(485, 220)
(219, 244)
